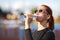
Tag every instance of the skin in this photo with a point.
(41, 19)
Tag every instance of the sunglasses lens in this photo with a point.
(35, 11)
(40, 10)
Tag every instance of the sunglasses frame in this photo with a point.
(41, 11)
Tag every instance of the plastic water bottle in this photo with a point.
(34, 16)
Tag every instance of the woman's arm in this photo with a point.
(28, 34)
(28, 20)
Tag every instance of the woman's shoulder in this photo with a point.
(50, 33)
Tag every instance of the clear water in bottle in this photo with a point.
(34, 17)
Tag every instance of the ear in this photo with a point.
(48, 16)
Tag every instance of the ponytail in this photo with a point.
(51, 23)
(51, 20)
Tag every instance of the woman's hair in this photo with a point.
(51, 20)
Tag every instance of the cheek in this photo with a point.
(42, 17)
(39, 18)
(45, 16)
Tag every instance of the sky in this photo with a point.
(28, 4)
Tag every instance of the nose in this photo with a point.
(37, 13)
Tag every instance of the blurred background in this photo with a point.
(12, 11)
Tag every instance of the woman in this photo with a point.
(45, 24)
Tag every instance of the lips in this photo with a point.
(39, 19)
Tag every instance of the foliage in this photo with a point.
(33, 10)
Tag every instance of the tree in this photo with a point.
(33, 10)
(1, 12)
(21, 13)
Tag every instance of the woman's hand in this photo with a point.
(28, 20)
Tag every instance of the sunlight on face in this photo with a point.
(42, 15)
(41, 8)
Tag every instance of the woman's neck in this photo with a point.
(42, 25)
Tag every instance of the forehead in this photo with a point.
(41, 7)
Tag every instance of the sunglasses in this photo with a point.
(41, 11)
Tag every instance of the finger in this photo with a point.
(30, 15)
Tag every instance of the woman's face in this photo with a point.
(42, 14)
